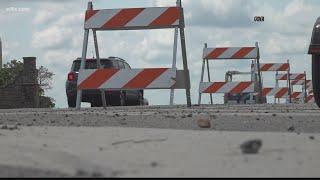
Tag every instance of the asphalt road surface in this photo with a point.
(160, 141)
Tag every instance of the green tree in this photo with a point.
(11, 70)
(45, 83)
(45, 78)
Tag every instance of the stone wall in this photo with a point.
(24, 92)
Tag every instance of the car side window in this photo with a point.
(121, 65)
(115, 64)
(126, 66)
(107, 64)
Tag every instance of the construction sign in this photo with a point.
(133, 79)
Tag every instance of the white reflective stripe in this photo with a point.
(146, 17)
(276, 90)
(292, 76)
(228, 53)
(84, 74)
(204, 86)
(231, 51)
(312, 100)
(177, 22)
(249, 88)
(273, 92)
(275, 67)
(295, 76)
(120, 79)
(166, 79)
(300, 95)
(309, 87)
(206, 52)
(227, 87)
(253, 54)
(299, 82)
(280, 76)
(101, 18)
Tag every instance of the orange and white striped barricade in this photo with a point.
(306, 86)
(282, 92)
(274, 67)
(296, 76)
(297, 96)
(309, 87)
(294, 79)
(133, 79)
(310, 99)
(227, 87)
(224, 53)
(310, 91)
(297, 79)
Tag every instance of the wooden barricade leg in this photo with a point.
(82, 65)
(96, 47)
(289, 83)
(305, 87)
(209, 79)
(174, 61)
(208, 70)
(185, 61)
(259, 75)
(201, 80)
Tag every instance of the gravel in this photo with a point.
(279, 118)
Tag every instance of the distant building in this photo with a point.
(24, 91)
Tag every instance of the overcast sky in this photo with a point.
(52, 30)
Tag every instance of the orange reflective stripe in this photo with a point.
(281, 93)
(266, 67)
(122, 18)
(144, 78)
(284, 67)
(242, 52)
(266, 91)
(90, 13)
(240, 87)
(216, 53)
(95, 80)
(214, 87)
(170, 16)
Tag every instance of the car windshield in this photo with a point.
(92, 64)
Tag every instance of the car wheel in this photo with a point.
(316, 77)
(96, 102)
(71, 102)
(140, 99)
(123, 99)
(145, 102)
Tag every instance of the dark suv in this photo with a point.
(130, 97)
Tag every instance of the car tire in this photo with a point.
(96, 102)
(123, 99)
(145, 102)
(71, 102)
(140, 99)
(316, 77)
